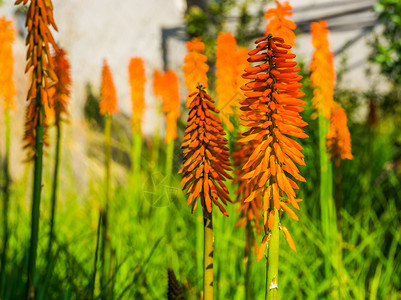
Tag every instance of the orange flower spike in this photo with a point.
(61, 91)
(7, 84)
(204, 147)
(339, 138)
(279, 25)
(322, 69)
(137, 80)
(170, 96)
(157, 83)
(271, 113)
(195, 67)
(226, 73)
(108, 102)
(39, 61)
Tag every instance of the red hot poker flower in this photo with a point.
(195, 67)
(271, 111)
(7, 84)
(61, 90)
(137, 81)
(39, 38)
(338, 137)
(206, 158)
(108, 102)
(279, 25)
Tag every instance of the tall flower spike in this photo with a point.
(38, 22)
(108, 102)
(61, 90)
(322, 69)
(339, 138)
(195, 67)
(7, 84)
(226, 73)
(279, 25)
(249, 211)
(171, 103)
(206, 158)
(271, 111)
(157, 83)
(137, 80)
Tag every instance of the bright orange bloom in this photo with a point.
(60, 92)
(279, 25)
(170, 95)
(226, 76)
(137, 80)
(108, 102)
(157, 83)
(271, 112)
(338, 138)
(249, 211)
(206, 158)
(322, 69)
(195, 67)
(39, 38)
(7, 84)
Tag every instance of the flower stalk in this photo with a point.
(39, 38)
(205, 169)
(108, 106)
(271, 113)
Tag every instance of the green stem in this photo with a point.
(272, 260)
(36, 195)
(327, 205)
(136, 152)
(169, 157)
(54, 188)
(207, 256)
(93, 281)
(156, 139)
(105, 238)
(248, 258)
(6, 203)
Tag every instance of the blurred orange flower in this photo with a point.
(7, 84)
(227, 73)
(108, 102)
(137, 80)
(322, 69)
(206, 158)
(167, 86)
(271, 112)
(278, 24)
(60, 92)
(157, 83)
(338, 137)
(195, 67)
